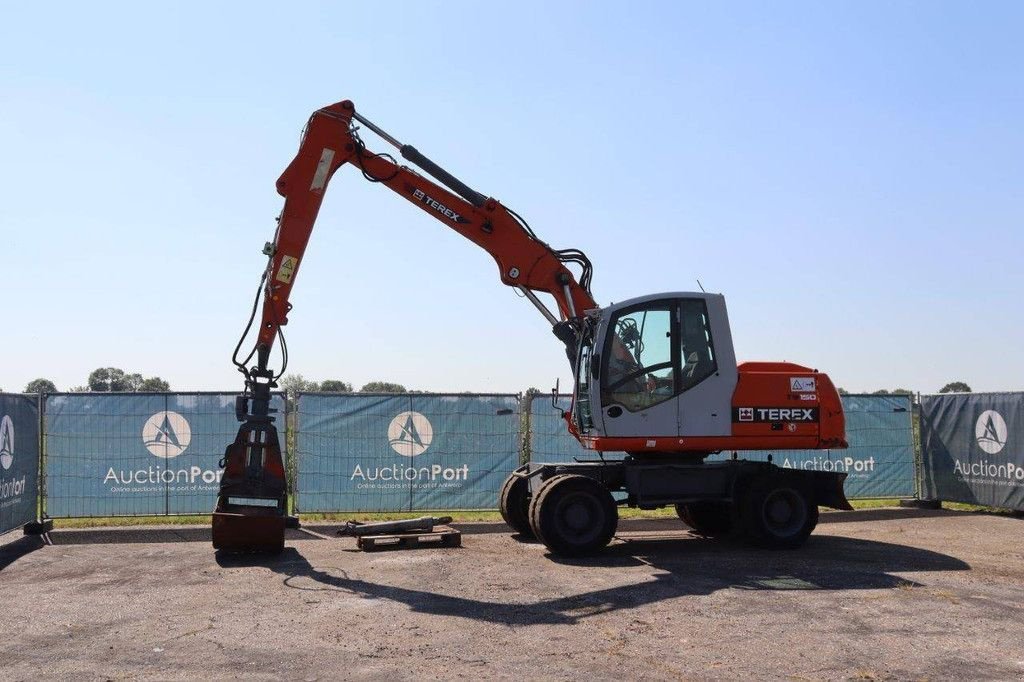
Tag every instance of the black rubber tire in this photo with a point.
(573, 515)
(777, 512)
(514, 504)
(684, 514)
(710, 518)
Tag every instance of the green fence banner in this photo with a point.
(135, 454)
(403, 452)
(972, 448)
(19, 460)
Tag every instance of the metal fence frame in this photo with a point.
(39, 458)
(44, 450)
(921, 469)
(290, 427)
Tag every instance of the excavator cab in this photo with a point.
(656, 366)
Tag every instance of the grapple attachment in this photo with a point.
(253, 501)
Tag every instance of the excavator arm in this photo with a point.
(252, 503)
(332, 140)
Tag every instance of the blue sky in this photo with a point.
(849, 175)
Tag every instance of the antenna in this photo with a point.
(701, 286)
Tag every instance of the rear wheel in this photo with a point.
(573, 515)
(777, 512)
(514, 504)
(711, 518)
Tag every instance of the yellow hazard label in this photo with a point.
(287, 269)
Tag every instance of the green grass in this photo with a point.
(457, 515)
(875, 504)
(461, 516)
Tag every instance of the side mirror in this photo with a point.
(554, 396)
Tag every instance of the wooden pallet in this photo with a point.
(442, 537)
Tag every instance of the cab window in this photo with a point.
(697, 353)
(584, 417)
(640, 358)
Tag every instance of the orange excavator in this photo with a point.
(655, 378)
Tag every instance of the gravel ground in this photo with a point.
(875, 594)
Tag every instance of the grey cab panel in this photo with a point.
(659, 365)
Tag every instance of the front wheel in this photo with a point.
(573, 515)
(514, 504)
(777, 512)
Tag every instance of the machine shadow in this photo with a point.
(12, 551)
(682, 567)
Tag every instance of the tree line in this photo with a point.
(293, 384)
(105, 380)
(116, 380)
(951, 387)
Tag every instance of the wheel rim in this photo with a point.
(578, 518)
(784, 512)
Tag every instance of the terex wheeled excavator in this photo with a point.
(655, 378)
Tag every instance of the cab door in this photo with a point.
(639, 369)
(708, 377)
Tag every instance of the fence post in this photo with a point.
(525, 427)
(290, 455)
(41, 483)
(915, 426)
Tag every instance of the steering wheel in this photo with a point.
(635, 376)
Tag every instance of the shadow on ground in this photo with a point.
(682, 567)
(12, 551)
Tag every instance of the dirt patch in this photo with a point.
(882, 594)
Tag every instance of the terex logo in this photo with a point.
(6, 442)
(775, 414)
(437, 206)
(166, 434)
(410, 434)
(990, 431)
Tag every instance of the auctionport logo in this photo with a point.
(6, 442)
(410, 434)
(10, 488)
(990, 431)
(166, 434)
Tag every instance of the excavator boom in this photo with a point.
(252, 503)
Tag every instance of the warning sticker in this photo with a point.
(802, 384)
(287, 269)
